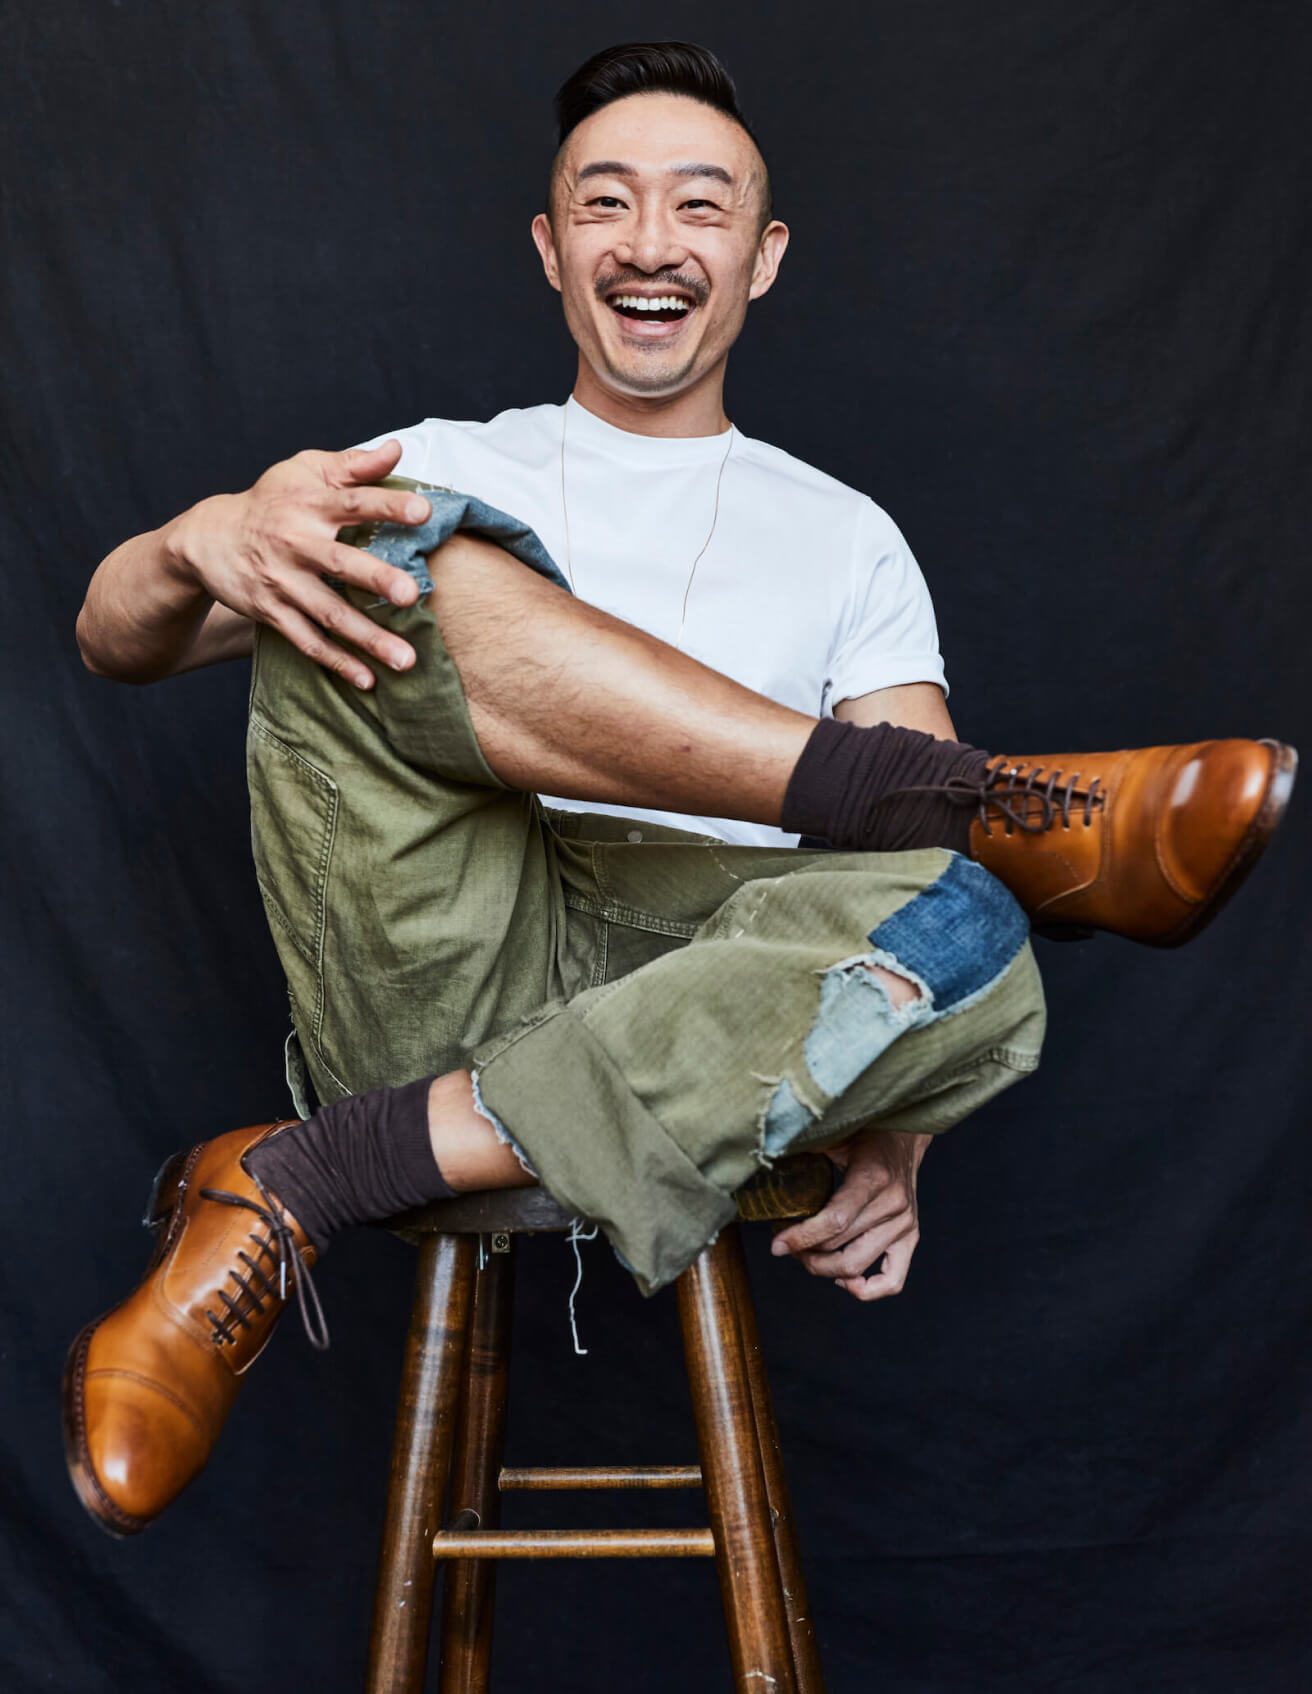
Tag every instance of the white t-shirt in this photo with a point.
(807, 593)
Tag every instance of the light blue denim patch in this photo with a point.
(953, 941)
(407, 545)
(855, 1023)
(785, 1119)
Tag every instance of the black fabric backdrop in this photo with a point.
(1048, 302)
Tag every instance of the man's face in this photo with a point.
(655, 240)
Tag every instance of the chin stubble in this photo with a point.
(652, 384)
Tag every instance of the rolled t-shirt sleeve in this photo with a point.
(889, 635)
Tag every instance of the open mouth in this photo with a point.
(650, 308)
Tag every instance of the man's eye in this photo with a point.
(698, 205)
(606, 200)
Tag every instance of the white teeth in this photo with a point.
(644, 303)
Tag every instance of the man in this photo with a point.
(646, 991)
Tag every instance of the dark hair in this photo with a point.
(646, 67)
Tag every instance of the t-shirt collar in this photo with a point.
(586, 430)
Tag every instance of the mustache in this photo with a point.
(699, 290)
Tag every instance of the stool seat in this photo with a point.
(794, 1187)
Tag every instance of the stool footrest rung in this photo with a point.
(573, 1544)
(601, 1476)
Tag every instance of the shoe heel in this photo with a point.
(164, 1190)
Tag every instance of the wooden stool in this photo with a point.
(451, 1424)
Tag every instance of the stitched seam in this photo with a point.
(327, 842)
(733, 875)
(155, 1388)
(278, 916)
(1015, 1058)
(602, 962)
(108, 1507)
(330, 1072)
(630, 916)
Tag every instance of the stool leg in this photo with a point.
(421, 1456)
(801, 1629)
(468, 1589)
(732, 1472)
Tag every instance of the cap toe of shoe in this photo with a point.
(140, 1445)
(1214, 806)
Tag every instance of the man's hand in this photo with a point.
(871, 1214)
(266, 552)
(186, 595)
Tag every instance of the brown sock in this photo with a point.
(359, 1160)
(856, 787)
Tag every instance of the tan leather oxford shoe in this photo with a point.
(1148, 844)
(148, 1386)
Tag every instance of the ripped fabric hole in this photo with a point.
(954, 941)
(855, 1023)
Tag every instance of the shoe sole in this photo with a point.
(95, 1502)
(164, 1196)
(1279, 787)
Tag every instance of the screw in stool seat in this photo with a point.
(450, 1434)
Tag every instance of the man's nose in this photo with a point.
(652, 242)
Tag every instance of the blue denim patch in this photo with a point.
(953, 940)
(407, 545)
(958, 935)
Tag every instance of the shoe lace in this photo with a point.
(278, 1247)
(1001, 789)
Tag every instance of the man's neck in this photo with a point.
(698, 410)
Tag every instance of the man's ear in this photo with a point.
(774, 239)
(545, 243)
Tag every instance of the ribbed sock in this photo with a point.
(359, 1160)
(843, 788)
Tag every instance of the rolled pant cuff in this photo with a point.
(597, 1149)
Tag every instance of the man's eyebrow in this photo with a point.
(605, 167)
(614, 167)
(717, 171)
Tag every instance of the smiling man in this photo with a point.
(536, 727)
(679, 190)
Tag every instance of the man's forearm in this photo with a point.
(146, 609)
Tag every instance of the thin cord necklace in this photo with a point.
(715, 518)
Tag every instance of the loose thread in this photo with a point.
(576, 1234)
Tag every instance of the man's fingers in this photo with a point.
(857, 1256)
(886, 1207)
(362, 570)
(358, 505)
(891, 1276)
(839, 1218)
(340, 620)
(310, 639)
(362, 464)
